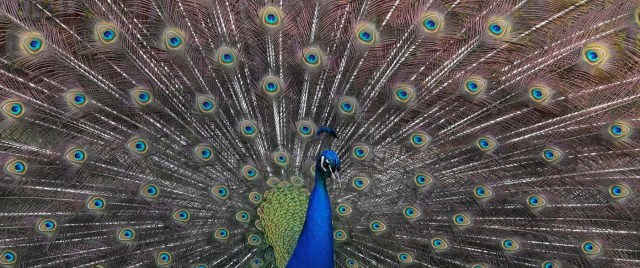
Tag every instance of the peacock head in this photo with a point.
(328, 165)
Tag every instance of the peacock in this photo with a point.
(320, 134)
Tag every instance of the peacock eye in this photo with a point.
(539, 94)
(281, 159)
(422, 179)
(220, 191)
(536, 201)
(510, 245)
(206, 104)
(142, 96)
(126, 234)
(257, 263)
(340, 235)
(619, 130)
(254, 240)
(243, 216)
(139, 146)
(482, 192)
(306, 129)
(96, 203)
(8, 257)
(150, 191)
(439, 243)
(497, 28)
(366, 34)
(271, 86)
(551, 155)
(221, 234)
(411, 212)
(77, 156)
(106, 32)
(591, 248)
(181, 215)
(347, 106)
(343, 210)
(248, 129)
(16, 167)
(351, 263)
(249, 172)
(618, 191)
(173, 38)
(549, 264)
(377, 227)
(461, 219)
(271, 16)
(419, 140)
(164, 258)
(13, 109)
(405, 258)
(360, 183)
(594, 54)
(47, 226)
(312, 56)
(361, 152)
(486, 144)
(475, 85)
(76, 98)
(432, 23)
(33, 43)
(203, 152)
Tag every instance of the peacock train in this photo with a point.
(319, 133)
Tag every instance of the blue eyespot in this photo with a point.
(312, 58)
(591, 248)
(8, 257)
(207, 105)
(140, 145)
(16, 109)
(472, 86)
(346, 106)
(221, 234)
(79, 99)
(227, 57)
(377, 227)
(272, 19)
(592, 55)
(19, 167)
(366, 36)
(430, 24)
(495, 28)
(537, 93)
(35, 44)
(78, 156)
(108, 35)
(181, 215)
(271, 87)
(507, 243)
(402, 94)
(96, 203)
(175, 41)
(480, 191)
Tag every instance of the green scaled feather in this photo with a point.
(282, 215)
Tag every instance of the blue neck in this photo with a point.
(315, 244)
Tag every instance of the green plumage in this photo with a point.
(282, 215)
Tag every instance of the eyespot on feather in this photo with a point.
(203, 152)
(439, 243)
(206, 104)
(164, 258)
(510, 244)
(32, 43)
(498, 28)
(106, 32)
(8, 257)
(377, 227)
(281, 159)
(47, 226)
(474, 86)
(271, 17)
(13, 109)
(403, 95)
(366, 34)
(16, 167)
(181, 216)
(249, 172)
(271, 86)
(173, 39)
(142, 96)
(126, 235)
(405, 258)
(360, 183)
(220, 191)
(96, 204)
(150, 191)
(138, 145)
(432, 22)
(306, 129)
(76, 156)
(227, 56)
(312, 57)
(595, 54)
(591, 248)
(461, 219)
(361, 152)
(221, 234)
(76, 98)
